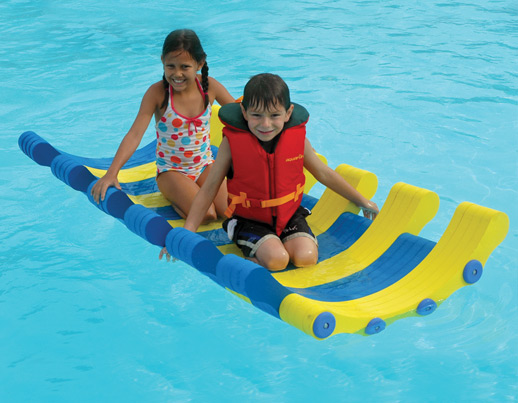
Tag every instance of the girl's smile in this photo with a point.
(180, 69)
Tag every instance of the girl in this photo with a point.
(181, 103)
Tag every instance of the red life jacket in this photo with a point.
(265, 187)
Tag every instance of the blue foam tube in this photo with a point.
(195, 250)
(147, 224)
(115, 202)
(253, 281)
(37, 148)
(73, 174)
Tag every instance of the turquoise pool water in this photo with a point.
(422, 92)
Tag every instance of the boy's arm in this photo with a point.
(336, 183)
(209, 189)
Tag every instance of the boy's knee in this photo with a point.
(276, 261)
(305, 258)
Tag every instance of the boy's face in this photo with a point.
(266, 124)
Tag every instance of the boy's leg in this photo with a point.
(258, 242)
(303, 251)
(272, 254)
(299, 240)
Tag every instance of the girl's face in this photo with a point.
(180, 69)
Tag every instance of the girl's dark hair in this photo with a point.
(265, 91)
(186, 40)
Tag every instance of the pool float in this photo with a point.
(369, 274)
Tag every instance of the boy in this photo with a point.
(263, 153)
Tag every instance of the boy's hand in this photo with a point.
(167, 255)
(370, 210)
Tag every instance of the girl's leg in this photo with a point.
(221, 200)
(272, 254)
(303, 251)
(180, 191)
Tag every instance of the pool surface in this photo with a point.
(425, 93)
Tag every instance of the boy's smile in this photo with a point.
(264, 123)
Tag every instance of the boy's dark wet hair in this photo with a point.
(266, 91)
(186, 40)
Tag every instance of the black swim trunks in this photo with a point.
(249, 235)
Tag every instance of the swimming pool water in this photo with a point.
(422, 92)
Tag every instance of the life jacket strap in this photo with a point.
(243, 200)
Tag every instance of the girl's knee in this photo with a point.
(211, 215)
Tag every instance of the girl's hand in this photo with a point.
(370, 210)
(102, 185)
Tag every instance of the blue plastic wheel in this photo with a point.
(426, 307)
(324, 325)
(376, 325)
(472, 271)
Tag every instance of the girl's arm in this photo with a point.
(219, 93)
(210, 187)
(129, 143)
(335, 182)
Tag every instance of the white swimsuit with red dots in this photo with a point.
(183, 144)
